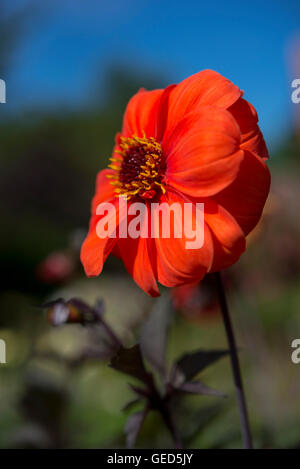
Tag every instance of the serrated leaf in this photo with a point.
(133, 426)
(153, 337)
(130, 362)
(189, 365)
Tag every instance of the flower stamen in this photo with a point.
(139, 169)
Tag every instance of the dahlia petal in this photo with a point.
(94, 252)
(95, 249)
(141, 114)
(228, 237)
(136, 255)
(175, 264)
(104, 190)
(203, 152)
(162, 113)
(204, 88)
(245, 198)
(252, 138)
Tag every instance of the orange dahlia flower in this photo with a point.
(197, 141)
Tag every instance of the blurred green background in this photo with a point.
(51, 152)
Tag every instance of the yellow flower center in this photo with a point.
(138, 168)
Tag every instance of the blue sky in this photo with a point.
(69, 45)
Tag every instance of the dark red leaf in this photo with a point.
(130, 362)
(153, 338)
(133, 426)
(197, 387)
(189, 365)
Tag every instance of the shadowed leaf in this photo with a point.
(153, 337)
(197, 387)
(188, 366)
(133, 426)
(130, 362)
